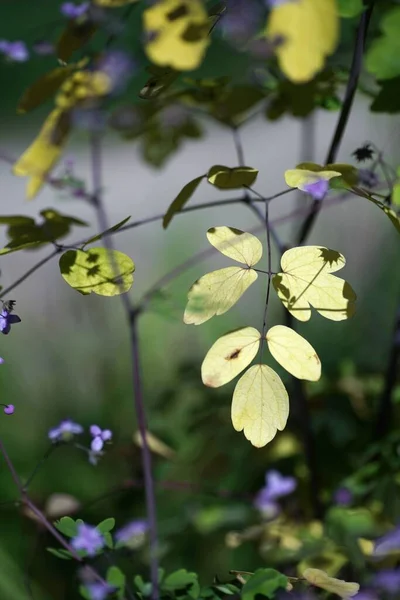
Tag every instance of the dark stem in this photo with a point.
(269, 255)
(385, 412)
(351, 89)
(238, 146)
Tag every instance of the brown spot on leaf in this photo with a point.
(234, 354)
(178, 13)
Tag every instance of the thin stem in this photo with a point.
(29, 272)
(269, 256)
(11, 468)
(351, 89)
(39, 465)
(238, 146)
(131, 315)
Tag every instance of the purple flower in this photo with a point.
(274, 3)
(99, 591)
(387, 543)
(343, 496)
(241, 19)
(133, 531)
(317, 189)
(118, 66)
(99, 437)
(277, 485)
(1, 360)
(387, 580)
(8, 409)
(65, 431)
(16, 51)
(365, 595)
(368, 178)
(73, 11)
(88, 539)
(6, 320)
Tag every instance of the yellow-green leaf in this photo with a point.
(308, 30)
(94, 271)
(44, 88)
(239, 245)
(99, 236)
(230, 354)
(177, 33)
(344, 589)
(293, 353)
(43, 154)
(300, 177)
(216, 292)
(396, 189)
(182, 198)
(306, 281)
(260, 405)
(225, 178)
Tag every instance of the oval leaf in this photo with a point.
(230, 354)
(306, 281)
(99, 236)
(225, 178)
(216, 292)
(341, 588)
(293, 353)
(44, 88)
(94, 271)
(75, 36)
(182, 198)
(260, 405)
(239, 245)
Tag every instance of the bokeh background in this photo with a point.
(70, 355)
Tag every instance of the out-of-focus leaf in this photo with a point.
(94, 271)
(67, 526)
(264, 582)
(113, 3)
(350, 8)
(44, 88)
(182, 581)
(388, 98)
(75, 36)
(155, 445)
(161, 79)
(383, 56)
(182, 198)
(106, 526)
(225, 178)
(341, 588)
(116, 578)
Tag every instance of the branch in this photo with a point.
(351, 89)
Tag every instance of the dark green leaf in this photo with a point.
(265, 582)
(44, 88)
(182, 580)
(225, 178)
(64, 554)
(74, 37)
(99, 236)
(182, 198)
(388, 98)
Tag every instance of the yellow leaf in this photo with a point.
(230, 354)
(43, 154)
(306, 281)
(216, 292)
(94, 271)
(299, 178)
(236, 244)
(293, 353)
(177, 33)
(341, 588)
(226, 178)
(155, 445)
(307, 31)
(260, 405)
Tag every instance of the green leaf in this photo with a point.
(264, 582)
(388, 98)
(396, 191)
(106, 525)
(236, 102)
(64, 554)
(94, 271)
(75, 36)
(44, 88)
(116, 578)
(383, 56)
(84, 592)
(182, 580)
(67, 526)
(99, 236)
(225, 178)
(161, 79)
(350, 8)
(108, 539)
(182, 198)
(144, 588)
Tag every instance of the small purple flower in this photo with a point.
(241, 19)
(368, 178)
(387, 543)
(99, 591)
(387, 580)
(8, 409)
(133, 531)
(118, 66)
(343, 496)
(277, 485)
(6, 320)
(88, 539)
(1, 360)
(365, 595)
(99, 437)
(317, 189)
(65, 431)
(16, 51)
(74, 11)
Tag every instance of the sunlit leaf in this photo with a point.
(75, 35)
(112, 229)
(307, 173)
(293, 353)
(239, 245)
(341, 588)
(225, 178)
(43, 154)
(260, 405)
(306, 281)
(94, 271)
(182, 198)
(177, 33)
(44, 88)
(383, 56)
(216, 292)
(307, 31)
(389, 212)
(230, 354)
